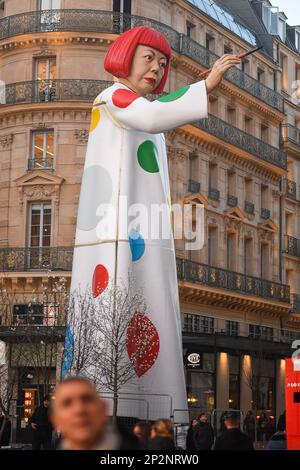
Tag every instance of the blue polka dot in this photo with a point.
(137, 244)
(68, 355)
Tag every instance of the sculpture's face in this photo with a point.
(147, 69)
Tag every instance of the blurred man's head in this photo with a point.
(202, 418)
(79, 413)
(46, 400)
(142, 431)
(232, 420)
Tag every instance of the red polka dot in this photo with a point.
(123, 98)
(100, 280)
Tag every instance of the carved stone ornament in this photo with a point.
(6, 140)
(82, 135)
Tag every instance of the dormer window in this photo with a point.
(281, 27)
(297, 40)
(274, 20)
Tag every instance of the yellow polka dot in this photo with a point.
(95, 119)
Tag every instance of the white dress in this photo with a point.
(126, 160)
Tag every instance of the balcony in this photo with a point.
(36, 259)
(235, 136)
(295, 303)
(193, 187)
(237, 335)
(220, 278)
(249, 207)
(111, 22)
(265, 213)
(290, 133)
(39, 91)
(232, 201)
(292, 246)
(214, 194)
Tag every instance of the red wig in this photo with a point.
(119, 57)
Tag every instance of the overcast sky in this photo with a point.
(291, 8)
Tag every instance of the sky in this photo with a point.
(291, 8)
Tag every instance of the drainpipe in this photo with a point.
(280, 231)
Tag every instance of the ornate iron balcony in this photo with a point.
(232, 201)
(193, 186)
(38, 91)
(214, 194)
(292, 246)
(291, 188)
(265, 213)
(290, 133)
(241, 139)
(295, 303)
(40, 259)
(112, 22)
(249, 207)
(200, 273)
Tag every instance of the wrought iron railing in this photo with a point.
(249, 207)
(112, 22)
(204, 325)
(295, 303)
(87, 90)
(200, 273)
(214, 194)
(241, 139)
(289, 132)
(42, 259)
(193, 186)
(232, 201)
(265, 213)
(292, 246)
(39, 91)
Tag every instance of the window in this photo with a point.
(198, 324)
(260, 75)
(44, 76)
(39, 235)
(289, 224)
(231, 178)
(213, 105)
(212, 246)
(231, 251)
(213, 176)
(264, 133)
(231, 115)
(283, 62)
(297, 40)
(122, 6)
(263, 384)
(232, 328)
(122, 22)
(190, 29)
(248, 124)
(28, 314)
(261, 332)
(248, 189)
(264, 196)
(42, 150)
(209, 42)
(282, 29)
(48, 4)
(264, 261)
(245, 65)
(248, 254)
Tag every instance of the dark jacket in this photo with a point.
(190, 444)
(277, 441)
(203, 436)
(233, 439)
(40, 417)
(5, 429)
(161, 443)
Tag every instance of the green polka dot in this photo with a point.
(175, 95)
(147, 156)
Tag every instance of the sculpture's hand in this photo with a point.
(218, 70)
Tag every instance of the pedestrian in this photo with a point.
(203, 433)
(162, 436)
(233, 438)
(190, 443)
(41, 426)
(281, 421)
(263, 424)
(81, 416)
(142, 431)
(278, 440)
(249, 425)
(5, 431)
